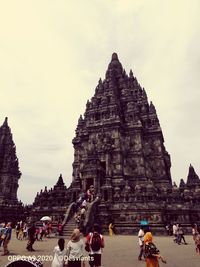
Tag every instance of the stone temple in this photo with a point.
(119, 149)
(10, 207)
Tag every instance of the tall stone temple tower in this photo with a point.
(119, 141)
(9, 174)
(119, 149)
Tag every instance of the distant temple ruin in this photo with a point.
(119, 149)
(10, 207)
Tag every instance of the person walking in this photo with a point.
(31, 237)
(95, 242)
(59, 254)
(152, 254)
(180, 235)
(75, 250)
(175, 228)
(7, 237)
(141, 243)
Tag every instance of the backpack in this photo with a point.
(95, 242)
(150, 249)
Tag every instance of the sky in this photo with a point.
(52, 54)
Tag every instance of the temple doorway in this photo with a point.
(103, 173)
(89, 182)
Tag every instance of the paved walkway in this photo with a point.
(120, 251)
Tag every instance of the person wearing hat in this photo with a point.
(75, 250)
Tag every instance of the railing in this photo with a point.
(69, 213)
(90, 214)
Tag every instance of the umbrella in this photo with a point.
(45, 218)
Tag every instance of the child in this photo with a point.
(59, 254)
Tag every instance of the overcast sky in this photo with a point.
(52, 54)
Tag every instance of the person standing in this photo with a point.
(7, 238)
(75, 250)
(110, 229)
(141, 243)
(195, 231)
(60, 228)
(175, 228)
(31, 237)
(59, 254)
(95, 241)
(17, 229)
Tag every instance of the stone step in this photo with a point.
(69, 227)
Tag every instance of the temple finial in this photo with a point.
(131, 73)
(114, 56)
(5, 121)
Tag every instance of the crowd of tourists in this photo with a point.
(151, 254)
(74, 254)
(81, 206)
(26, 231)
(77, 251)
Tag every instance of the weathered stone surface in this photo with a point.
(10, 208)
(119, 148)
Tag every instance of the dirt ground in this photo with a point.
(119, 251)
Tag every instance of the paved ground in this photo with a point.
(120, 251)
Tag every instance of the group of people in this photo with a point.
(82, 205)
(74, 255)
(148, 249)
(151, 253)
(178, 233)
(37, 233)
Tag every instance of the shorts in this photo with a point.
(74, 263)
(95, 260)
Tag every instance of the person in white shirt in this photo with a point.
(175, 229)
(59, 254)
(75, 250)
(141, 243)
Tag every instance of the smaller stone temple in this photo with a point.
(10, 207)
(52, 202)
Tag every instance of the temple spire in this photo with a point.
(114, 57)
(9, 168)
(60, 181)
(5, 122)
(115, 69)
(192, 179)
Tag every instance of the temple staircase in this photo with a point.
(69, 227)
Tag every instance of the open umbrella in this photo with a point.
(45, 218)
